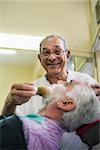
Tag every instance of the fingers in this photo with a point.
(24, 86)
(95, 85)
(21, 93)
(96, 88)
(97, 92)
(24, 90)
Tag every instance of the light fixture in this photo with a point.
(20, 41)
(7, 52)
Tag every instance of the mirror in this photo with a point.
(81, 64)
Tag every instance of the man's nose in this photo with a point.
(52, 56)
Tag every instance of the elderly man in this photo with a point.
(67, 107)
(53, 57)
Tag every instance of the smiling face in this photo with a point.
(50, 57)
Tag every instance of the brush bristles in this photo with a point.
(43, 91)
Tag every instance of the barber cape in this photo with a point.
(11, 133)
(32, 132)
(41, 133)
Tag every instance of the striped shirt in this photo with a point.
(44, 135)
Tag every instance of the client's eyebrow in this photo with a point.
(68, 82)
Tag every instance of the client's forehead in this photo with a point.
(69, 86)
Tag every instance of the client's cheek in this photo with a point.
(69, 88)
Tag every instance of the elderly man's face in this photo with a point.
(53, 56)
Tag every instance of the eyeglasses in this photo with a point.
(57, 53)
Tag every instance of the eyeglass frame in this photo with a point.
(54, 53)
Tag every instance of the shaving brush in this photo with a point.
(43, 91)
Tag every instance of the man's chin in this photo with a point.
(54, 73)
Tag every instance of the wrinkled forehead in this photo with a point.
(52, 43)
(62, 88)
(70, 85)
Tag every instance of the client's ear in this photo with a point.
(66, 105)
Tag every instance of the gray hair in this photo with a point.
(87, 105)
(54, 36)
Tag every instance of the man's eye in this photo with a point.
(57, 52)
(45, 53)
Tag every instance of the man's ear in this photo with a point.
(39, 57)
(66, 105)
(68, 53)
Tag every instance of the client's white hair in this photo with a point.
(87, 105)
